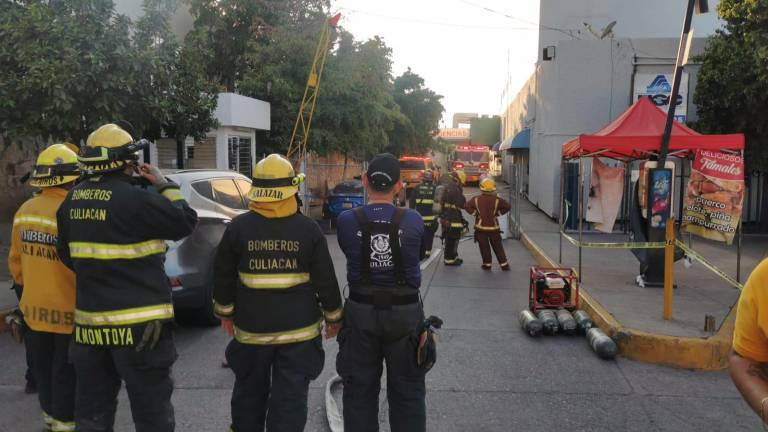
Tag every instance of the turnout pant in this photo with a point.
(272, 384)
(429, 235)
(368, 338)
(147, 376)
(487, 240)
(55, 377)
(452, 236)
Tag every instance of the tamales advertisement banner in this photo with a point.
(715, 195)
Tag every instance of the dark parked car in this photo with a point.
(344, 196)
(217, 196)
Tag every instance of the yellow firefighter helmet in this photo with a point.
(56, 165)
(461, 176)
(274, 180)
(108, 148)
(488, 185)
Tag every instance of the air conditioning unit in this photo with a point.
(548, 53)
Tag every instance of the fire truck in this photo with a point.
(474, 160)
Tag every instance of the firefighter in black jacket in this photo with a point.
(111, 233)
(422, 200)
(451, 202)
(274, 285)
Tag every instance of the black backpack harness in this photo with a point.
(381, 297)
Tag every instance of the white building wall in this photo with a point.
(564, 19)
(586, 85)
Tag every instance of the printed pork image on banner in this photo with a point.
(715, 195)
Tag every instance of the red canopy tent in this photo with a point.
(636, 134)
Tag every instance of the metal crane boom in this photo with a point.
(300, 135)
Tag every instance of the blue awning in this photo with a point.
(520, 141)
(496, 146)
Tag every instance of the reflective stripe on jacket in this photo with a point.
(112, 232)
(48, 299)
(274, 277)
(486, 207)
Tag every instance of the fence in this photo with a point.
(321, 178)
(516, 179)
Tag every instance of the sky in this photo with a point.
(460, 48)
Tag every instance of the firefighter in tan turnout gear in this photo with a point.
(48, 296)
(274, 286)
(486, 207)
(112, 233)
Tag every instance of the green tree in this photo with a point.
(732, 90)
(422, 108)
(226, 29)
(356, 111)
(173, 95)
(65, 67)
(70, 66)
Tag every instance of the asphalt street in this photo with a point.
(489, 377)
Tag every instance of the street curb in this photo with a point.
(709, 353)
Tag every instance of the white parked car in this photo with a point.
(217, 196)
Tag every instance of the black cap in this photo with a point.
(383, 172)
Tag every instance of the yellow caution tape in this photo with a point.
(690, 252)
(621, 245)
(657, 245)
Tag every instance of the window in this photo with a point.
(225, 192)
(464, 156)
(349, 188)
(240, 154)
(244, 186)
(222, 191)
(480, 156)
(412, 164)
(204, 189)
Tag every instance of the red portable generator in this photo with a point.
(553, 288)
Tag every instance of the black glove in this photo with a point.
(151, 336)
(426, 351)
(18, 328)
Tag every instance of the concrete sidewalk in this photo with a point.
(609, 276)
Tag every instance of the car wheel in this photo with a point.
(204, 315)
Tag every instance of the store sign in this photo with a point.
(454, 133)
(661, 195)
(659, 88)
(715, 195)
(645, 168)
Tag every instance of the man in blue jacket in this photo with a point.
(383, 313)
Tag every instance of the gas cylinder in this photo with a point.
(601, 344)
(529, 323)
(566, 322)
(583, 321)
(548, 321)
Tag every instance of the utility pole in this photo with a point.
(660, 181)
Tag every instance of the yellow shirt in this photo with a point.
(750, 338)
(48, 301)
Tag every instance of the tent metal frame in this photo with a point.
(682, 155)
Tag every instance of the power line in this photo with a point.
(437, 23)
(506, 15)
